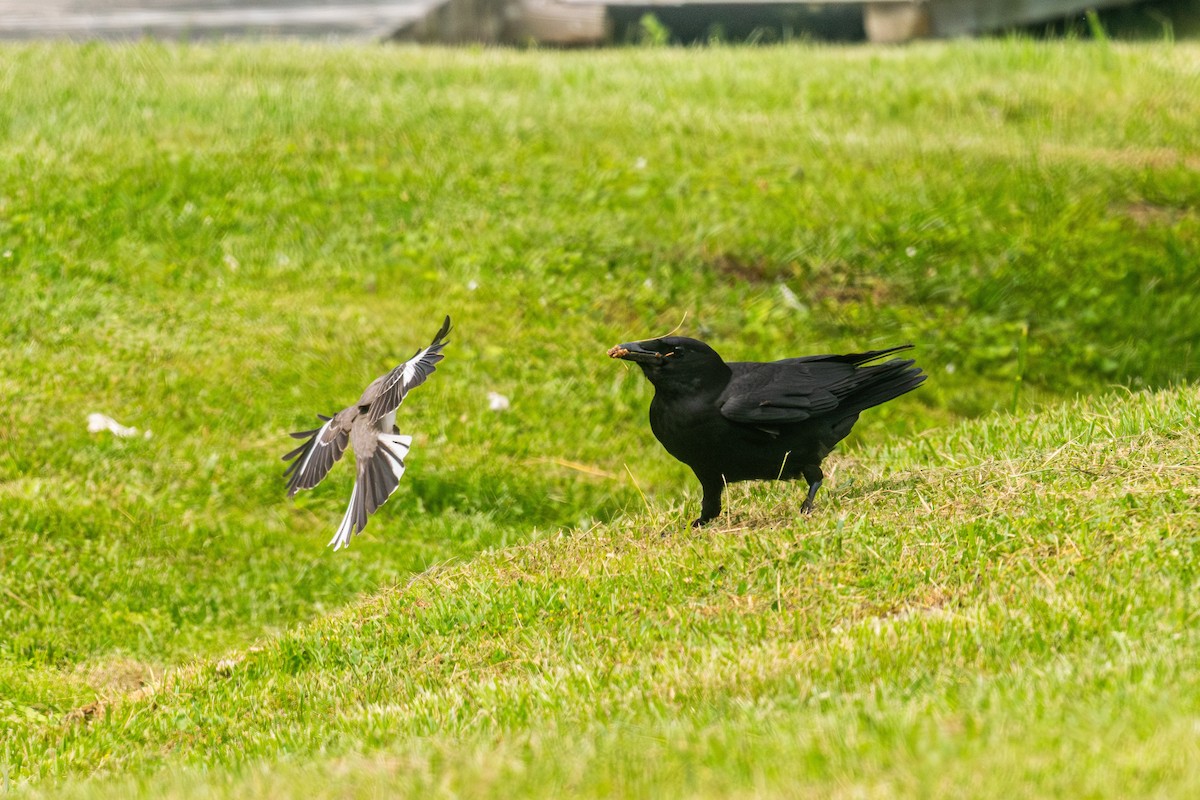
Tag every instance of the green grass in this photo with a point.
(1038, 629)
(230, 239)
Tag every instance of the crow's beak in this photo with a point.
(634, 351)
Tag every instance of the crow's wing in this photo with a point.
(391, 389)
(796, 389)
(380, 459)
(316, 457)
(773, 394)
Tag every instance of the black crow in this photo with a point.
(369, 427)
(759, 421)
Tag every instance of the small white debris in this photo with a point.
(640, 163)
(472, 285)
(790, 299)
(98, 423)
(911, 252)
(8, 253)
(950, 367)
(497, 402)
(231, 262)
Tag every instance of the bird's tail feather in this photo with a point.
(875, 385)
(377, 479)
(351, 524)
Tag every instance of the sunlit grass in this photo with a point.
(1022, 620)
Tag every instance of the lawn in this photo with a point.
(996, 596)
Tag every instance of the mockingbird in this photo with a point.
(368, 426)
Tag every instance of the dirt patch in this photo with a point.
(1139, 157)
(754, 270)
(845, 290)
(118, 677)
(1148, 215)
(828, 284)
(115, 680)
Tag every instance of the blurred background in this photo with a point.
(589, 23)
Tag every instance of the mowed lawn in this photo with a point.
(997, 594)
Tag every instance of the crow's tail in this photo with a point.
(870, 386)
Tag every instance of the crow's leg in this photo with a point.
(710, 505)
(814, 476)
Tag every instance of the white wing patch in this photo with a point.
(313, 459)
(318, 443)
(396, 384)
(410, 367)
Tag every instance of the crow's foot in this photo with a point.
(807, 506)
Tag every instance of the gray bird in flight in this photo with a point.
(368, 426)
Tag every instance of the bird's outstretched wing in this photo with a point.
(412, 373)
(314, 458)
(380, 466)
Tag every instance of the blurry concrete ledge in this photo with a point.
(553, 22)
(187, 19)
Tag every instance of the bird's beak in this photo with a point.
(634, 351)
